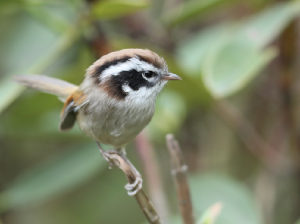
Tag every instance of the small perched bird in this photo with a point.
(115, 101)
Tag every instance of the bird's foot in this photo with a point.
(133, 188)
(119, 159)
(111, 157)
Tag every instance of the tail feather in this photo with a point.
(47, 84)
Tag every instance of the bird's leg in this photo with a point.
(118, 158)
(134, 187)
(109, 156)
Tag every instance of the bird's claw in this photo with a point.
(110, 157)
(133, 188)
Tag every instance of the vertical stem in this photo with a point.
(179, 169)
(152, 174)
(288, 42)
(287, 45)
(252, 140)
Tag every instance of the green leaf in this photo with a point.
(211, 214)
(58, 16)
(238, 205)
(262, 28)
(231, 65)
(19, 54)
(39, 48)
(298, 222)
(229, 58)
(192, 50)
(15, 6)
(15, 56)
(210, 189)
(187, 10)
(55, 178)
(109, 9)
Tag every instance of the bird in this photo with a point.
(115, 101)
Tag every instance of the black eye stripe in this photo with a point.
(132, 78)
(150, 74)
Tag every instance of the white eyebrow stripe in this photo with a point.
(131, 64)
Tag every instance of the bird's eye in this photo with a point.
(149, 74)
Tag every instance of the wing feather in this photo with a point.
(68, 113)
(47, 84)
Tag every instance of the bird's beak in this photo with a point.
(171, 76)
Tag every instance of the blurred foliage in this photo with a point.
(237, 202)
(50, 178)
(237, 52)
(218, 47)
(114, 8)
(189, 9)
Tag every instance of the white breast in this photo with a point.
(116, 122)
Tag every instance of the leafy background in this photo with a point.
(235, 113)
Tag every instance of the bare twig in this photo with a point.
(179, 173)
(152, 174)
(118, 160)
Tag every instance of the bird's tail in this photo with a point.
(47, 84)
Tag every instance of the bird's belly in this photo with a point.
(114, 127)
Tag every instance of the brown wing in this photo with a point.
(67, 92)
(68, 113)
